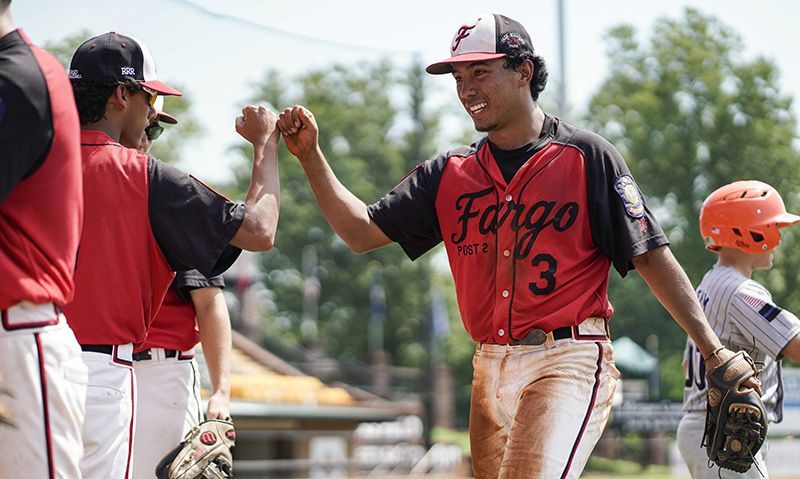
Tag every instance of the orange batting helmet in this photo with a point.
(745, 215)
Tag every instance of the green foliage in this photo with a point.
(616, 466)
(64, 48)
(460, 437)
(359, 134)
(689, 115)
(175, 138)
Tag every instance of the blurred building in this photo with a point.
(290, 424)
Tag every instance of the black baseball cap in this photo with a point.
(490, 36)
(116, 57)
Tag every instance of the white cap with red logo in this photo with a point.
(490, 36)
(163, 116)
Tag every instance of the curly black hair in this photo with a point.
(91, 97)
(539, 80)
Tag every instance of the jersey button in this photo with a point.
(506, 253)
(505, 293)
(508, 198)
(500, 332)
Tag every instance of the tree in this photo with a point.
(362, 139)
(64, 48)
(169, 146)
(690, 115)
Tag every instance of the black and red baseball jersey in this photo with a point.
(530, 234)
(144, 220)
(41, 199)
(175, 325)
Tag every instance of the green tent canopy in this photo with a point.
(632, 358)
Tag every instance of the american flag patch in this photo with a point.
(767, 310)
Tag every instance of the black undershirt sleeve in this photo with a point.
(407, 213)
(186, 281)
(26, 122)
(192, 223)
(622, 225)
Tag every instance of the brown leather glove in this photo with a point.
(736, 421)
(204, 453)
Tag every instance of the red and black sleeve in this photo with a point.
(407, 213)
(621, 223)
(26, 122)
(192, 223)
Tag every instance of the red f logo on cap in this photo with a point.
(463, 33)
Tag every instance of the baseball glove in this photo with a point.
(736, 422)
(204, 453)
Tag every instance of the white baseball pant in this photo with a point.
(44, 388)
(168, 406)
(110, 414)
(538, 411)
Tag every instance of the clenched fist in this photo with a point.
(299, 130)
(256, 124)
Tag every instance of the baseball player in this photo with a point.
(741, 223)
(154, 130)
(42, 376)
(167, 377)
(532, 216)
(144, 220)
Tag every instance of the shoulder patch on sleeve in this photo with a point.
(629, 193)
(765, 309)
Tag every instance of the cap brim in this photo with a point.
(787, 219)
(446, 66)
(166, 118)
(161, 88)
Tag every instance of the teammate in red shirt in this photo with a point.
(532, 216)
(167, 376)
(42, 376)
(144, 221)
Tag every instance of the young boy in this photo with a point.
(740, 222)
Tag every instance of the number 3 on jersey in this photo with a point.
(695, 369)
(546, 265)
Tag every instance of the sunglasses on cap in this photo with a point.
(153, 131)
(152, 95)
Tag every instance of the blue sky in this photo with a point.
(219, 50)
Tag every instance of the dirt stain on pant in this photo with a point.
(538, 411)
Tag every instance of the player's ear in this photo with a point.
(525, 71)
(119, 97)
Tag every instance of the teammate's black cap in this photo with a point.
(116, 57)
(490, 36)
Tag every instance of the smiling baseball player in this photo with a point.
(531, 216)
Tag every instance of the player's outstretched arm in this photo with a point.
(256, 124)
(346, 214)
(214, 324)
(792, 350)
(670, 285)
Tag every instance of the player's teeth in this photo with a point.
(477, 107)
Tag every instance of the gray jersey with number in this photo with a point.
(742, 314)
